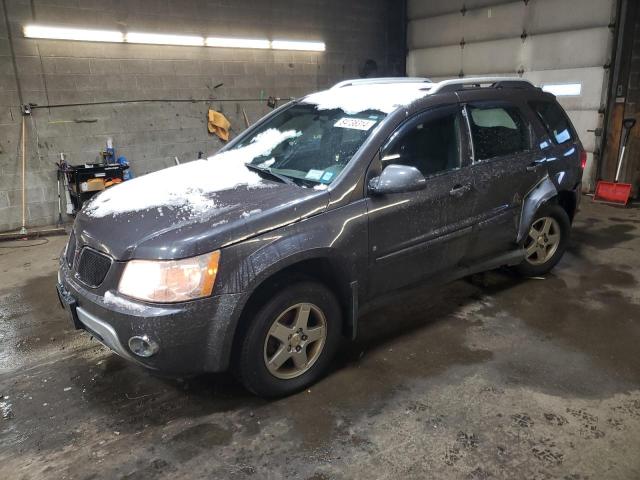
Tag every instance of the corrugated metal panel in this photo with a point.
(546, 41)
(435, 31)
(539, 52)
(508, 20)
(432, 8)
(589, 172)
(504, 21)
(545, 16)
(498, 56)
(583, 121)
(571, 49)
(439, 61)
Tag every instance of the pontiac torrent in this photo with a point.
(260, 258)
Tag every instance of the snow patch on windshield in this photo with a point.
(355, 99)
(190, 186)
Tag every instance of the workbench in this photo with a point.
(76, 175)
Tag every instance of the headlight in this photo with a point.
(170, 280)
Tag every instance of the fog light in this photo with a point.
(143, 346)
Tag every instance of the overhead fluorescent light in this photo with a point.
(237, 42)
(295, 45)
(61, 33)
(563, 89)
(162, 39)
(90, 35)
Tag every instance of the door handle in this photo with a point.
(459, 190)
(533, 166)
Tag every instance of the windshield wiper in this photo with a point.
(277, 176)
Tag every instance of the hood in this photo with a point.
(195, 207)
(167, 232)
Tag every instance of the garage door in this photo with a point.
(562, 45)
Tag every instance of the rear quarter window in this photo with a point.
(554, 120)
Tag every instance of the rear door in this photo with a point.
(505, 167)
(415, 235)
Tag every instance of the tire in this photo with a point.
(542, 257)
(274, 336)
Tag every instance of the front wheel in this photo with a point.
(546, 241)
(291, 340)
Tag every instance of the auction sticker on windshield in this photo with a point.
(355, 123)
(314, 174)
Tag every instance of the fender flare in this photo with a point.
(542, 192)
(256, 274)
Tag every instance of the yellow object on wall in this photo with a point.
(218, 124)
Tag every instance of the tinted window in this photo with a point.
(554, 120)
(431, 145)
(498, 131)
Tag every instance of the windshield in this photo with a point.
(321, 143)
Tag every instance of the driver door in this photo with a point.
(416, 235)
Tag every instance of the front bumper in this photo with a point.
(192, 337)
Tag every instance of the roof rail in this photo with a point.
(380, 80)
(457, 84)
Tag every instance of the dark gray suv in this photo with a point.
(261, 257)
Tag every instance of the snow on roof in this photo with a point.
(189, 186)
(353, 99)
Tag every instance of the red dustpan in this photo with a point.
(614, 192)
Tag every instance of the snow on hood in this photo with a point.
(191, 186)
(384, 97)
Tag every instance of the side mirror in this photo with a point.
(397, 179)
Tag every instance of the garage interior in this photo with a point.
(487, 377)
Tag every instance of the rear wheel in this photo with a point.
(291, 340)
(546, 241)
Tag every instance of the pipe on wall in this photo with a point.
(23, 230)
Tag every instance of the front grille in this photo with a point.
(92, 267)
(71, 250)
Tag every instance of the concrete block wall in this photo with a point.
(150, 135)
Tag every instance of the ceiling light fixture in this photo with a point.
(162, 39)
(237, 42)
(89, 35)
(60, 33)
(295, 45)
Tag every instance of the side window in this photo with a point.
(498, 131)
(431, 145)
(554, 120)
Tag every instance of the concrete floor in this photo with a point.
(503, 378)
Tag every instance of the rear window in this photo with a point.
(498, 131)
(554, 120)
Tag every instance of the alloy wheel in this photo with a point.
(295, 341)
(543, 240)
